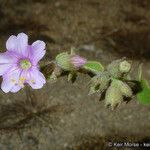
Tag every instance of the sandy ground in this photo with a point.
(61, 115)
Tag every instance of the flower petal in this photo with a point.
(6, 62)
(22, 43)
(4, 68)
(5, 58)
(6, 85)
(38, 50)
(11, 43)
(15, 88)
(10, 79)
(17, 44)
(36, 79)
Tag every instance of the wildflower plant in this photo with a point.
(19, 66)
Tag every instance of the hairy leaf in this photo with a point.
(93, 66)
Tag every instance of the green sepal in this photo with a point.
(92, 90)
(63, 61)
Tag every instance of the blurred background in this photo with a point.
(62, 115)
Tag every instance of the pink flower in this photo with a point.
(19, 64)
(78, 61)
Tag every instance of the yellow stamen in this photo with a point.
(33, 81)
(21, 81)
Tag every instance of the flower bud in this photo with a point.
(70, 62)
(113, 96)
(78, 61)
(119, 68)
(99, 83)
(124, 66)
(113, 68)
(124, 88)
(63, 61)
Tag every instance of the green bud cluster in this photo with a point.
(111, 83)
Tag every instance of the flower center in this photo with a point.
(25, 64)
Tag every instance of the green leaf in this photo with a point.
(93, 66)
(144, 95)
